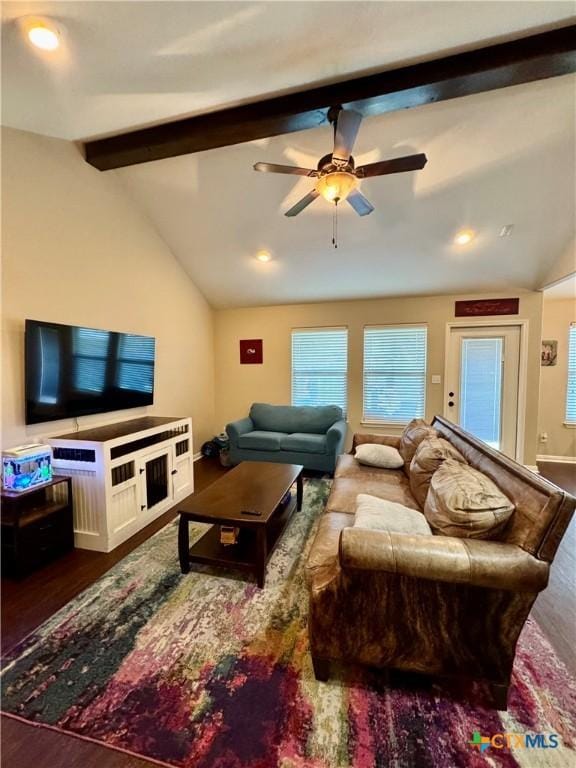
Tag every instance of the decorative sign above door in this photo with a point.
(251, 351)
(484, 307)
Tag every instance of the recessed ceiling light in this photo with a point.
(42, 33)
(264, 256)
(464, 237)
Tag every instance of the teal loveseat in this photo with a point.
(309, 435)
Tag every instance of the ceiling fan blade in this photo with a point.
(347, 125)
(292, 169)
(361, 205)
(398, 165)
(301, 204)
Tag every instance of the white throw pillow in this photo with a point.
(383, 456)
(382, 515)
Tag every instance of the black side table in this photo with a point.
(37, 526)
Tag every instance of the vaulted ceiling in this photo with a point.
(503, 157)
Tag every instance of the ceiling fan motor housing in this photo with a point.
(327, 165)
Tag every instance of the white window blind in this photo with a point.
(571, 385)
(320, 366)
(136, 363)
(90, 349)
(394, 373)
(481, 388)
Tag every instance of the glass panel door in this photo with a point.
(482, 383)
(481, 388)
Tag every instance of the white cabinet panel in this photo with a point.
(122, 482)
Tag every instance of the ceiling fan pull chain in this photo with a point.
(335, 225)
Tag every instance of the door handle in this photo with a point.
(142, 507)
(451, 403)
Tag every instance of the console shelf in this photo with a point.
(124, 476)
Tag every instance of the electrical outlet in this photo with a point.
(436, 379)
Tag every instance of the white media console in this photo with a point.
(124, 476)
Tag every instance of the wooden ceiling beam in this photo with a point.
(548, 54)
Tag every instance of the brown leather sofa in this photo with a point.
(443, 606)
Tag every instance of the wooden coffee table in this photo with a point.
(251, 486)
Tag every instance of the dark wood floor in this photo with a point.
(555, 607)
(26, 604)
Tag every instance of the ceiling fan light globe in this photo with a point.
(336, 186)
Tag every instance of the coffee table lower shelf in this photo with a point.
(251, 552)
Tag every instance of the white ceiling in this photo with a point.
(501, 157)
(497, 158)
(124, 64)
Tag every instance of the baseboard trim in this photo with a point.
(532, 468)
(196, 456)
(557, 459)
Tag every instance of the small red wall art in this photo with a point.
(251, 351)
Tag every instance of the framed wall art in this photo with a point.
(251, 352)
(549, 354)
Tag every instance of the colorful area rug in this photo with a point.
(208, 671)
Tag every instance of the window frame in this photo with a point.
(570, 363)
(371, 422)
(320, 329)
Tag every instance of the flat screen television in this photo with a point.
(73, 371)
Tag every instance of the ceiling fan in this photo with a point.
(336, 173)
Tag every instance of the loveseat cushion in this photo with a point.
(383, 456)
(430, 454)
(258, 440)
(463, 502)
(290, 418)
(377, 514)
(304, 443)
(413, 434)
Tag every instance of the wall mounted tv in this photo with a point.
(72, 371)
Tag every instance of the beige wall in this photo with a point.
(76, 250)
(237, 386)
(564, 265)
(556, 318)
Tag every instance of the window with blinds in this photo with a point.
(90, 350)
(320, 366)
(394, 373)
(571, 385)
(136, 363)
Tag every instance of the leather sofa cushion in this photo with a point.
(347, 466)
(465, 503)
(259, 440)
(411, 438)
(323, 562)
(430, 454)
(345, 490)
(382, 515)
(304, 443)
(290, 418)
(383, 456)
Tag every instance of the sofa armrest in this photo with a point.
(237, 428)
(336, 436)
(492, 564)
(360, 439)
